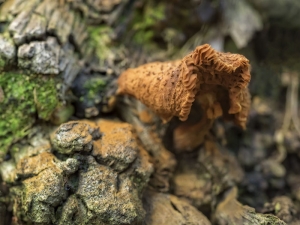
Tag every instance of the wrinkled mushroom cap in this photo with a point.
(170, 88)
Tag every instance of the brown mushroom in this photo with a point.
(170, 88)
(216, 99)
(214, 102)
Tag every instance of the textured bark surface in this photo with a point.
(88, 187)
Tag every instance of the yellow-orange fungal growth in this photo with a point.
(170, 88)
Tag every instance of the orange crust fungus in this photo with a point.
(170, 88)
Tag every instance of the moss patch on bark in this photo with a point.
(26, 97)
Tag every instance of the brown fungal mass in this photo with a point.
(170, 88)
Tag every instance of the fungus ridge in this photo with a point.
(170, 88)
(189, 74)
(231, 71)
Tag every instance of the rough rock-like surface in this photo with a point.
(75, 136)
(115, 150)
(33, 56)
(44, 190)
(169, 210)
(108, 197)
(32, 21)
(66, 184)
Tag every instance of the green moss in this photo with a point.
(94, 86)
(145, 21)
(45, 98)
(24, 96)
(100, 41)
